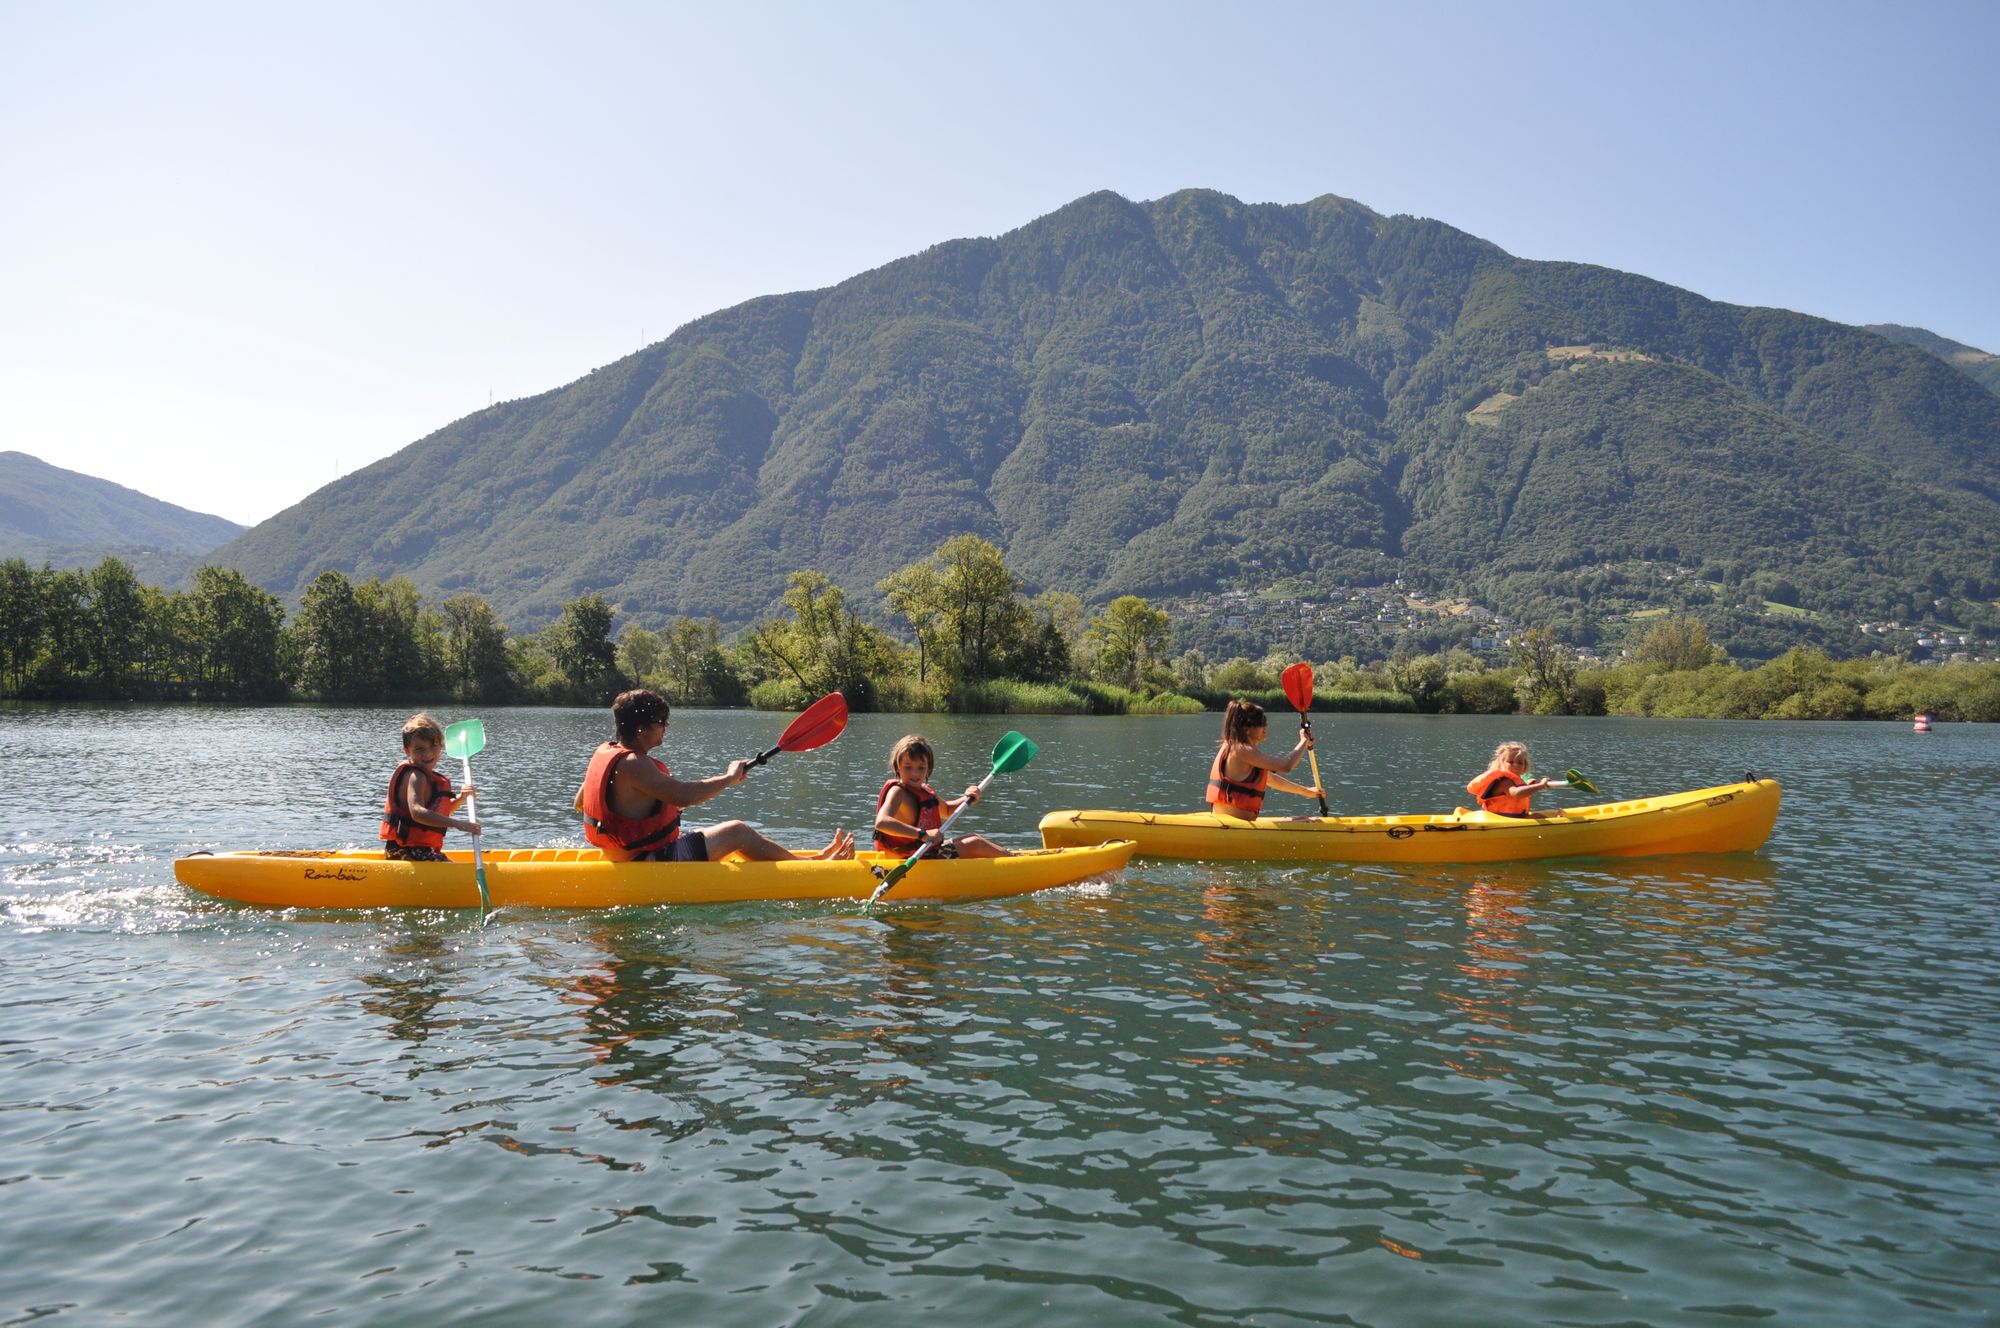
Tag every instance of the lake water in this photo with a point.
(1662, 1091)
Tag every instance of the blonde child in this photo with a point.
(909, 814)
(1504, 788)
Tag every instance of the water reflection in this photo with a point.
(406, 997)
(1497, 961)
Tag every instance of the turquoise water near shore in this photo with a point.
(1663, 1091)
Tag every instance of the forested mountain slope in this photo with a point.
(1187, 393)
(1982, 367)
(48, 514)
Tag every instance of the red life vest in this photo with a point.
(622, 836)
(397, 827)
(1498, 799)
(928, 816)
(1247, 798)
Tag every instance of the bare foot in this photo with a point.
(841, 848)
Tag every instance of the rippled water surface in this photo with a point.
(1664, 1091)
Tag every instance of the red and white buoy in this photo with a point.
(1923, 724)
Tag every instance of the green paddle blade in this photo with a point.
(465, 739)
(1576, 780)
(1013, 751)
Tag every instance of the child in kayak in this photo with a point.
(632, 805)
(1504, 788)
(418, 809)
(909, 814)
(1241, 773)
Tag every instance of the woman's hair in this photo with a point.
(1240, 718)
(912, 744)
(1505, 753)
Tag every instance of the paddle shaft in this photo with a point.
(903, 867)
(478, 856)
(1306, 728)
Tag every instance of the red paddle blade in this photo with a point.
(1298, 681)
(820, 724)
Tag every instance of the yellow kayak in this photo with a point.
(1731, 818)
(581, 878)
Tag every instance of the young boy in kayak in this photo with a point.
(418, 809)
(908, 813)
(1241, 773)
(1504, 788)
(632, 805)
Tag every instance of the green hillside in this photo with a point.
(48, 514)
(1978, 365)
(1193, 393)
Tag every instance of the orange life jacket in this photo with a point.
(397, 827)
(929, 816)
(1504, 802)
(1247, 798)
(621, 836)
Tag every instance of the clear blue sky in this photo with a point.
(248, 247)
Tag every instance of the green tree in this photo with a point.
(234, 627)
(1128, 638)
(1049, 649)
(20, 623)
(917, 593)
(1191, 670)
(327, 647)
(579, 645)
(1547, 673)
(399, 647)
(115, 623)
(1677, 642)
(823, 647)
(692, 659)
(964, 606)
(639, 655)
(473, 649)
(1422, 678)
(66, 631)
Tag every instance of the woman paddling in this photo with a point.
(1240, 773)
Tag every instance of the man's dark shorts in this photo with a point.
(691, 846)
(412, 853)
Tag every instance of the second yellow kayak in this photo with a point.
(1729, 818)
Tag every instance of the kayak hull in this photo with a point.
(1730, 818)
(580, 878)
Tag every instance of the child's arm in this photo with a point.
(1288, 786)
(429, 819)
(1277, 765)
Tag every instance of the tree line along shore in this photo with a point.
(973, 642)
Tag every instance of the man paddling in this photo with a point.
(632, 804)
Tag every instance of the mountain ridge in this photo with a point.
(1176, 395)
(72, 520)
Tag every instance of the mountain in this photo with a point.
(48, 514)
(1981, 367)
(1191, 393)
